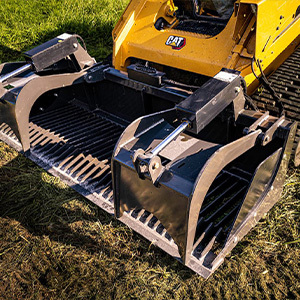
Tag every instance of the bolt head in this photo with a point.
(155, 166)
(237, 89)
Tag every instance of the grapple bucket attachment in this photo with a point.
(205, 191)
(191, 172)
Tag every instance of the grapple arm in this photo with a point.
(62, 58)
(200, 188)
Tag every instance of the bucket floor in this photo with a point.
(78, 143)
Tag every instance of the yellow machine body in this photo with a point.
(265, 29)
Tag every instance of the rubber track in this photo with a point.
(286, 82)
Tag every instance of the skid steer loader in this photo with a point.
(185, 136)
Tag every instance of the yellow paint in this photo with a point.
(263, 28)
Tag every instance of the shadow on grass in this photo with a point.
(46, 207)
(8, 55)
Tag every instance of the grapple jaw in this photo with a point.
(211, 186)
(60, 62)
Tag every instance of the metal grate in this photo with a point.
(219, 210)
(7, 131)
(78, 143)
(200, 27)
(150, 221)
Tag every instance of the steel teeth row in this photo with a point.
(78, 143)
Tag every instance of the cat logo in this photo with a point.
(176, 42)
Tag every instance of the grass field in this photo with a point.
(54, 244)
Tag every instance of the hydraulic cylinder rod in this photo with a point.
(172, 136)
(15, 73)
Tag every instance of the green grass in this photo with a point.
(25, 23)
(54, 244)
